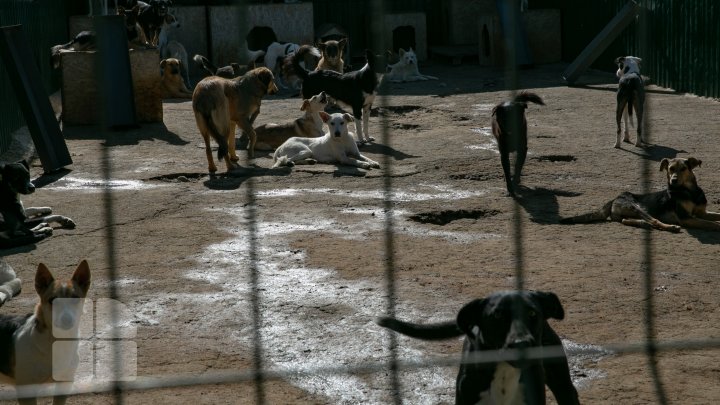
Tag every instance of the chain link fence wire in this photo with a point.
(259, 374)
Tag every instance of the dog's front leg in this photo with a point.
(519, 162)
(505, 162)
(246, 126)
(618, 118)
(65, 222)
(366, 122)
(698, 223)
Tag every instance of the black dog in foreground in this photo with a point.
(509, 126)
(356, 89)
(20, 226)
(504, 320)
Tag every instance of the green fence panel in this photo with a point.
(45, 24)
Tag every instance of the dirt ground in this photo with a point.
(181, 240)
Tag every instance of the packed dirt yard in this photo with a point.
(181, 243)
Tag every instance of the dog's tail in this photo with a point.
(600, 215)
(432, 331)
(205, 63)
(526, 96)
(294, 67)
(215, 133)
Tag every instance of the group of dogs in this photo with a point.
(513, 323)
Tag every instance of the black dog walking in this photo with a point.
(509, 126)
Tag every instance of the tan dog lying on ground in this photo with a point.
(221, 104)
(336, 146)
(681, 204)
(310, 125)
(173, 85)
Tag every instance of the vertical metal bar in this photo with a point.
(647, 265)
(377, 41)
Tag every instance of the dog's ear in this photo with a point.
(324, 116)
(470, 316)
(342, 43)
(81, 276)
(43, 278)
(401, 52)
(321, 46)
(693, 163)
(664, 164)
(550, 304)
(619, 60)
(305, 105)
(348, 118)
(163, 63)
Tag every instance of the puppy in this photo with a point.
(310, 125)
(220, 104)
(275, 54)
(173, 85)
(630, 95)
(151, 16)
(18, 225)
(681, 204)
(509, 126)
(406, 69)
(336, 146)
(228, 72)
(502, 322)
(31, 352)
(356, 89)
(331, 52)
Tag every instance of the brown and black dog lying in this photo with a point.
(220, 104)
(682, 204)
(509, 126)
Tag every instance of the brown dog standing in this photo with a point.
(221, 104)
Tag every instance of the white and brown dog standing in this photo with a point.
(630, 95)
(336, 146)
(26, 352)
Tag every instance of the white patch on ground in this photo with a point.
(311, 317)
(422, 192)
(486, 139)
(95, 185)
(481, 109)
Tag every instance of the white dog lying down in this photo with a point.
(336, 146)
(406, 69)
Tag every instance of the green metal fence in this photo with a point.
(45, 24)
(680, 50)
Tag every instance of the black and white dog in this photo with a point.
(18, 225)
(501, 322)
(630, 95)
(356, 89)
(151, 17)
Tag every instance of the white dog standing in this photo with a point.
(406, 69)
(336, 146)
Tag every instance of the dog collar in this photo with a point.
(287, 48)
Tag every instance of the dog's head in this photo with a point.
(337, 124)
(161, 6)
(408, 57)
(61, 303)
(627, 64)
(332, 50)
(16, 176)
(679, 172)
(266, 78)
(170, 21)
(315, 103)
(170, 66)
(130, 15)
(509, 319)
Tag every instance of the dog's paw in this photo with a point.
(674, 228)
(67, 223)
(617, 145)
